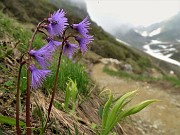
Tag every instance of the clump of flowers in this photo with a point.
(55, 27)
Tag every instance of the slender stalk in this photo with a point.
(18, 100)
(28, 121)
(56, 76)
(55, 85)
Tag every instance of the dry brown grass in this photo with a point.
(86, 113)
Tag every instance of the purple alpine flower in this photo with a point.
(38, 76)
(44, 55)
(70, 49)
(57, 23)
(52, 44)
(83, 42)
(82, 27)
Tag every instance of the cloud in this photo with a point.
(137, 12)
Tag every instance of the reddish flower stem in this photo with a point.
(28, 121)
(56, 78)
(55, 86)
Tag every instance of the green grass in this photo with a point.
(72, 70)
(173, 80)
(12, 31)
(68, 69)
(18, 33)
(23, 79)
(129, 75)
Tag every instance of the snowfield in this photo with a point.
(157, 53)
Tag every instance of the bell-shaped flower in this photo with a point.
(44, 55)
(38, 76)
(83, 42)
(57, 23)
(52, 44)
(70, 49)
(82, 27)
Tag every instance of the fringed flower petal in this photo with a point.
(83, 42)
(44, 55)
(57, 23)
(82, 27)
(70, 49)
(38, 76)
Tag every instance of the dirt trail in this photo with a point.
(162, 118)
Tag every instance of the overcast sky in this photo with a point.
(136, 12)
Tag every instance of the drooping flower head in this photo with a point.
(82, 27)
(52, 44)
(83, 42)
(70, 49)
(57, 23)
(38, 76)
(44, 55)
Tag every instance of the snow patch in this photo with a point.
(178, 40)
(157, 54)
(122, 42)
(156, 42)
(155, 32)
(144, 34)
(163, 46)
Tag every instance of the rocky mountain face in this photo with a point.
(166, 31)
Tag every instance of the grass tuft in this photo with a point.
(72, 70)
(129, 75)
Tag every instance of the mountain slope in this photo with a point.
(131, 37)
(170, 29)
(160, 40)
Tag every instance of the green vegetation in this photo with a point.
(13, 30)
(127, 75)
(112, 115)
(69, 69)
(70, 95)
(28, 11)
(173, 80)
(72, 70)
(10, 121)
(17, 33)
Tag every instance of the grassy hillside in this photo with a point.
(14, 38)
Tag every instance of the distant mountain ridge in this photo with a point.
(166, 31)
(162, 38)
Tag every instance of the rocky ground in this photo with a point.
(162, 118)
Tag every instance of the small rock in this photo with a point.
(127, 68)
(1, 80)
